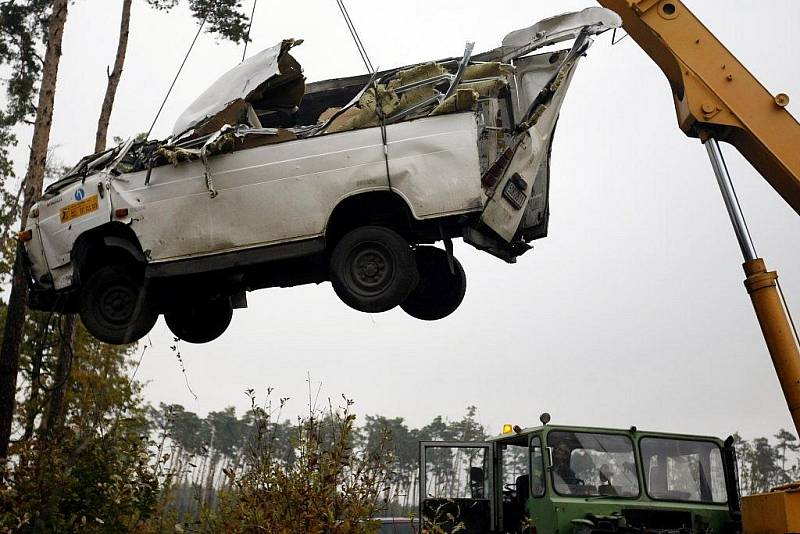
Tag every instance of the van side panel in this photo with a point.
(286, 192)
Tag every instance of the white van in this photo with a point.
(269, 181)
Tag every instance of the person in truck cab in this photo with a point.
(561, 467)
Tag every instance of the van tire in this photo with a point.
(373, 269)
(200, 322)
(113, 306)
(440, 291)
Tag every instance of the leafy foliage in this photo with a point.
(223, 17)
(23, 25)
(94, 482)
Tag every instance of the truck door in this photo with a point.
(457, 487)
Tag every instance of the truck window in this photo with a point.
(590, 464)
(515, 468)
(457, 473)
(683, 470)
(537, 467)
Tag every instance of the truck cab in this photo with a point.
(582, 480)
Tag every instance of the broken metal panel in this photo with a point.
(553, 30)
(503, 212)
(251, 82)
(534, 73)
(287, 191)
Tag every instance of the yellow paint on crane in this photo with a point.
(776, 512)
(715, 95)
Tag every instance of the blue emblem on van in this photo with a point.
(80, 193)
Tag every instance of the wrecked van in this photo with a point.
(271, 181)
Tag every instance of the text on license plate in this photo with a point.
(79, 209)
(514, 194)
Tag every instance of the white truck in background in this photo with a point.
(268, 181)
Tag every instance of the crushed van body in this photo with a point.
(266, 179)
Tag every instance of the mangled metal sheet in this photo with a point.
(554, 30)
(254, 82)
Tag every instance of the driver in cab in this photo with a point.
(563, 475)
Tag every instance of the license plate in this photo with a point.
(514, 194)
(80, 208)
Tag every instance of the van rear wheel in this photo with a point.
(440, 291)
(114, 308)
(200, 322)
(373, 269)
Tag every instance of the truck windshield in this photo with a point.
(589, 464)
(683, 470)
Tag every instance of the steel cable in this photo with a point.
(199, 29)
(249, 27)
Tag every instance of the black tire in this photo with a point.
(439, 292)
(200, 322)
(114, 308)
(373, 269)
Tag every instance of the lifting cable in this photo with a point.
(362, 51)
(191, 46)
(354, 33)
(249, 27)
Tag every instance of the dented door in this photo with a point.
(518, 200)
(517, 183)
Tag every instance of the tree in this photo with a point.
(114, 77)
(763, 466)
(786, 442)
(32, 189)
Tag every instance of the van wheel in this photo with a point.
(373, 269)
(200, 322)
(439, 292)
(114, 308)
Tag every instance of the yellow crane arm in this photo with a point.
(717, 99)
(715, 95)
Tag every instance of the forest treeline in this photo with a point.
(213, 445)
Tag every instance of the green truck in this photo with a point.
(581, 480)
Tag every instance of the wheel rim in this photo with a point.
(370, 269)
(117, 304)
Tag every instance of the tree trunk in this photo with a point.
(53, 420)
(113, 79)
(56, 412)
(36, 375)
(17, 301)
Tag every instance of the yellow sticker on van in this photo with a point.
(80, 208)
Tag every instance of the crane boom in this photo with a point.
(717, 99)
(715, 95)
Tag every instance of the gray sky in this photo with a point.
(631, 312)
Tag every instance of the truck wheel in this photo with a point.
(373, 269)
(201, 322)
(439, 292)
(113, 306)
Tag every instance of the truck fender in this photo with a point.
(126, 245)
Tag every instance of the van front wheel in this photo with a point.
(373, 269)
(114, 307)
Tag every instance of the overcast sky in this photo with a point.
(631, 312)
